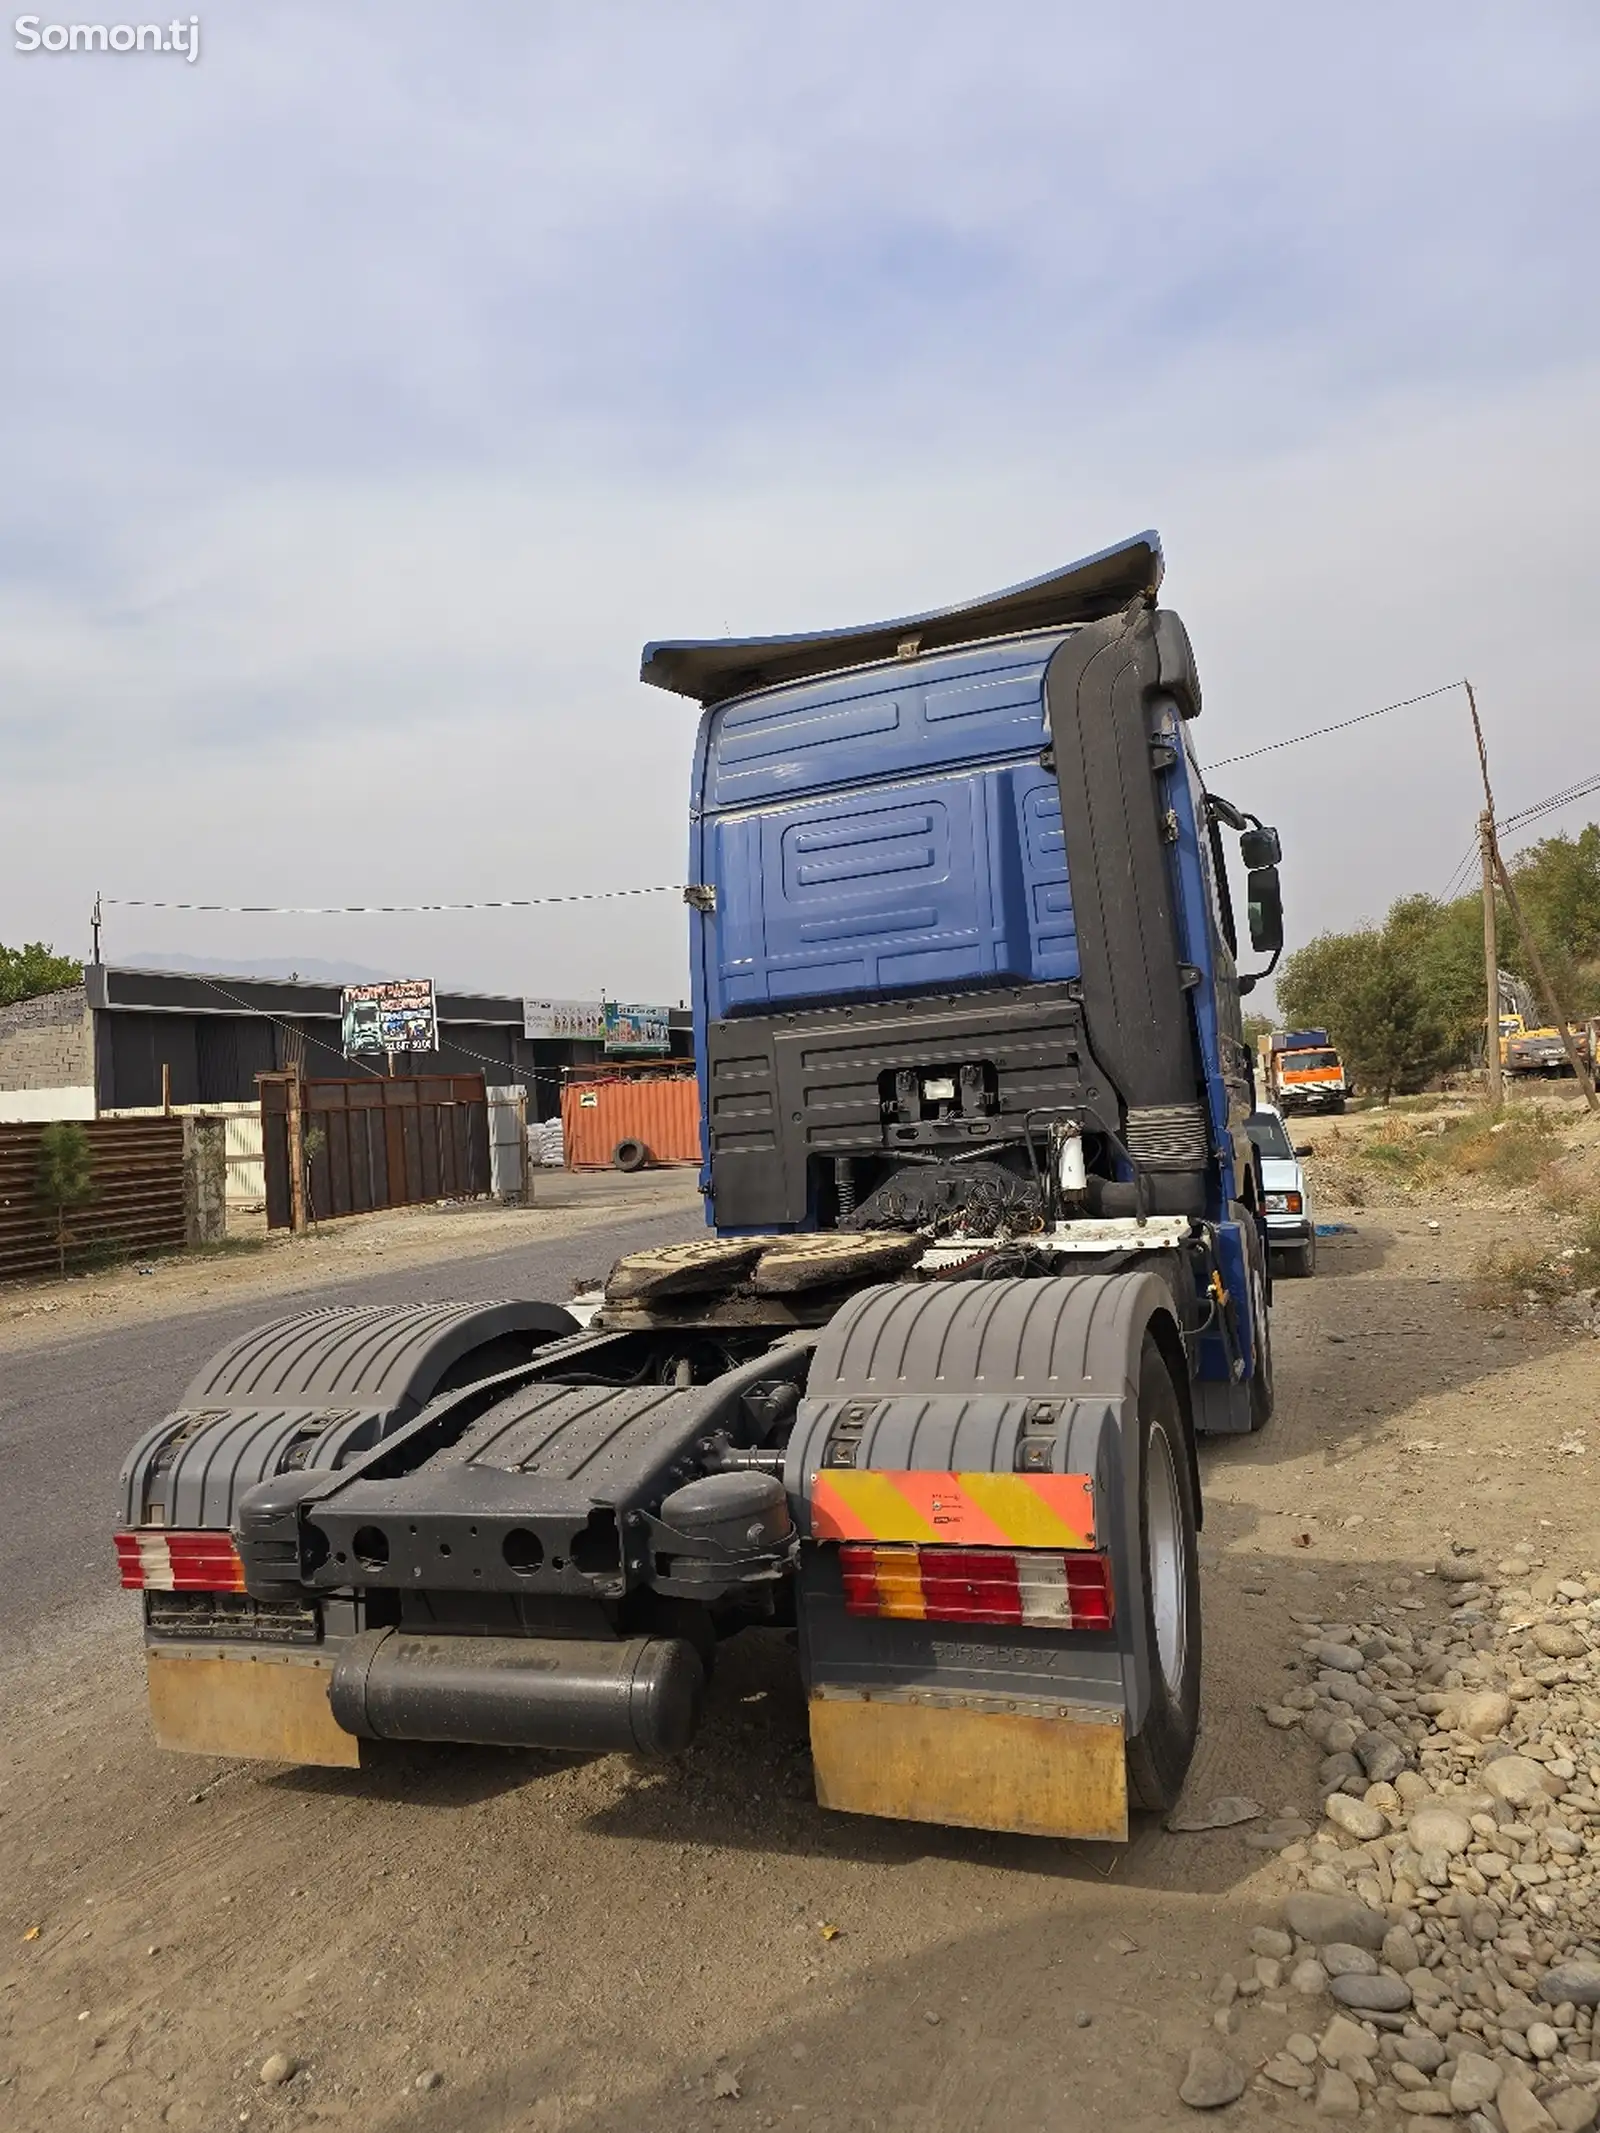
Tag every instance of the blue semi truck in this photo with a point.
(985, 1260)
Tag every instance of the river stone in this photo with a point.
(1574, 2110)
(1483, 1713)
(1427, 2054)
(1311, 1915)
(1577, 1981)
(1343, 1658)
(1381, 1758)
(1557, 1641)
(1435, 1827)
(1458, 1570)
(1337, 2096)
(1542, 2040)
(1400, 1950)
(1342, 2041)
(1520, 2110)
(1308, 1978)
(1287, 2072)
(1211, 2081)
(1516, 1779)
(1221, 1813)
(1385, 1995)
(1354, 1816)
(1268, 1940)
(1341, 1958)
(1474, 2082)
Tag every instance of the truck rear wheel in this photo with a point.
(1159, 1758)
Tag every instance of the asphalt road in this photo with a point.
(69, 1413)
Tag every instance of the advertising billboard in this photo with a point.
(580, 1021)
(634, 1029)
(397, 1016)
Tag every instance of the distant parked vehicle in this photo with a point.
(1291, 1220)
(1304, 1071)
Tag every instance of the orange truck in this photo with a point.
(1304, 1071)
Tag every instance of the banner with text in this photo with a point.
(572, 1021)
(637, 1029)
(398, 1016)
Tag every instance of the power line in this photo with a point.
(1456, 885)
(1523, 818)
(1579, 791)
(500, 903)
(1342, 725)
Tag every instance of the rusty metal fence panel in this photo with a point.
(377, 1143)
(136, 1167)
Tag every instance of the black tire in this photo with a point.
(1262, 1395)
(629, 1155)
(1158, 1758)
(1303, 1260)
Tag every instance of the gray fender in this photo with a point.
(310, 1391)
(1006, 1377)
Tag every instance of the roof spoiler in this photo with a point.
(712, 669)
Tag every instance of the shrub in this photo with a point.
(65, 1177)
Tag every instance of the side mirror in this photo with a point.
(1260, 847)
(1266, 909)
(1304, 1148)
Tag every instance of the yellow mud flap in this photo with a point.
(273, 1705)
(976, 1763)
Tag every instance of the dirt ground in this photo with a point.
(472, 1940)
(259, 1262)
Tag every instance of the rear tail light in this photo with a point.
(155, 1560)
(1037, 1586)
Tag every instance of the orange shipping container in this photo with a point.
(659, 1114)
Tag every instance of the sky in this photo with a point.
(372, 387)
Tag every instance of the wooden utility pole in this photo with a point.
(1491, 958)
(1491, 943)
(297, 1156)
(1494, 869)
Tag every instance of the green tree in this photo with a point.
(1558, 886)
(1317, 981)
(65, 1177)
(35, 968)
(1255, 1028)
(1391, 1039)
(1442, 947)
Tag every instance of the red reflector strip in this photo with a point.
(1038, 1587)
(155, 1560)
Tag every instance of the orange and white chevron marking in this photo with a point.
(958, 1510)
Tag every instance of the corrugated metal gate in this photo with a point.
(136, 1166)
(374, 1143)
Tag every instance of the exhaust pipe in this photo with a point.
(641, 1695)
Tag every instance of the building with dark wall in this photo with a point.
(215, 1034)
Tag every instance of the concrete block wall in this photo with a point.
(47, 1043)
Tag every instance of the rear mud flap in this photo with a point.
(269, 1706)
(971, 1764)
